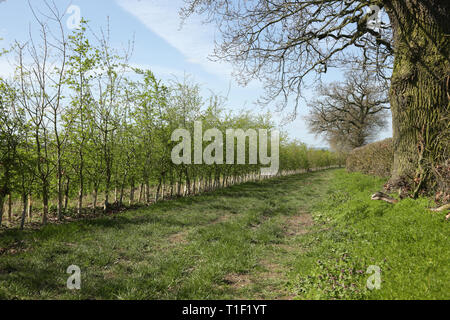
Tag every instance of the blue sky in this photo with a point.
(160, 45)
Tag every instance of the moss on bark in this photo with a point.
(419, 92)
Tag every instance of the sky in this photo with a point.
(161, 45)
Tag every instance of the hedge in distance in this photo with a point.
(374, 159)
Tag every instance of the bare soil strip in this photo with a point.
(274, 277)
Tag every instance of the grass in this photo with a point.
(309, 236)
(408, 242)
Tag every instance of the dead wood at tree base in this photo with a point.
(384, 197)
(442, 208)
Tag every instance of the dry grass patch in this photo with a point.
(221, 219)
(298, 225)
(237, 281)
(179, 238)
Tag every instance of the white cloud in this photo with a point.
(194, 40)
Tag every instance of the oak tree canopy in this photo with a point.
(286, 44)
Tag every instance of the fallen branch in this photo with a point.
(442, 208)
(384, 197)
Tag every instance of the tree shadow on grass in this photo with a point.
(166, 213)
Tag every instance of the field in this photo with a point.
(307, 236)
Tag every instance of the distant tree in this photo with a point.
(108, 92)
(9, 140)
(74, 121)
(40, 73)
(349, 114)
(82, 60)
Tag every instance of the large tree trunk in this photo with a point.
(419, 91)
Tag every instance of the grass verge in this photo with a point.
(409, 244)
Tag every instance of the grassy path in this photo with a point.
(253, 241)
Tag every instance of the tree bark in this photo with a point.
(30, 207)
(147, 192)
(188, 182)
(45, 204)
(66, 194)
(94, 205)
(81, 185)
(60, 183)
(122, 189)
(24, 210)
(158, 189)
(10, 216)
(2, 201)
(419, 91)
(108, 160)
(132, 192)
(141, 192)
(179, 183)
(80, 201)
(163, 191)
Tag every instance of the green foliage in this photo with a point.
(106, 127)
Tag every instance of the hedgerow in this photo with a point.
(375, 159)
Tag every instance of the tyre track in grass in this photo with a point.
(227, 244)
(270, 279)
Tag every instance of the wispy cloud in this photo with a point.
(194, 40)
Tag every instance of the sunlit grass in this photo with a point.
(234, 244)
